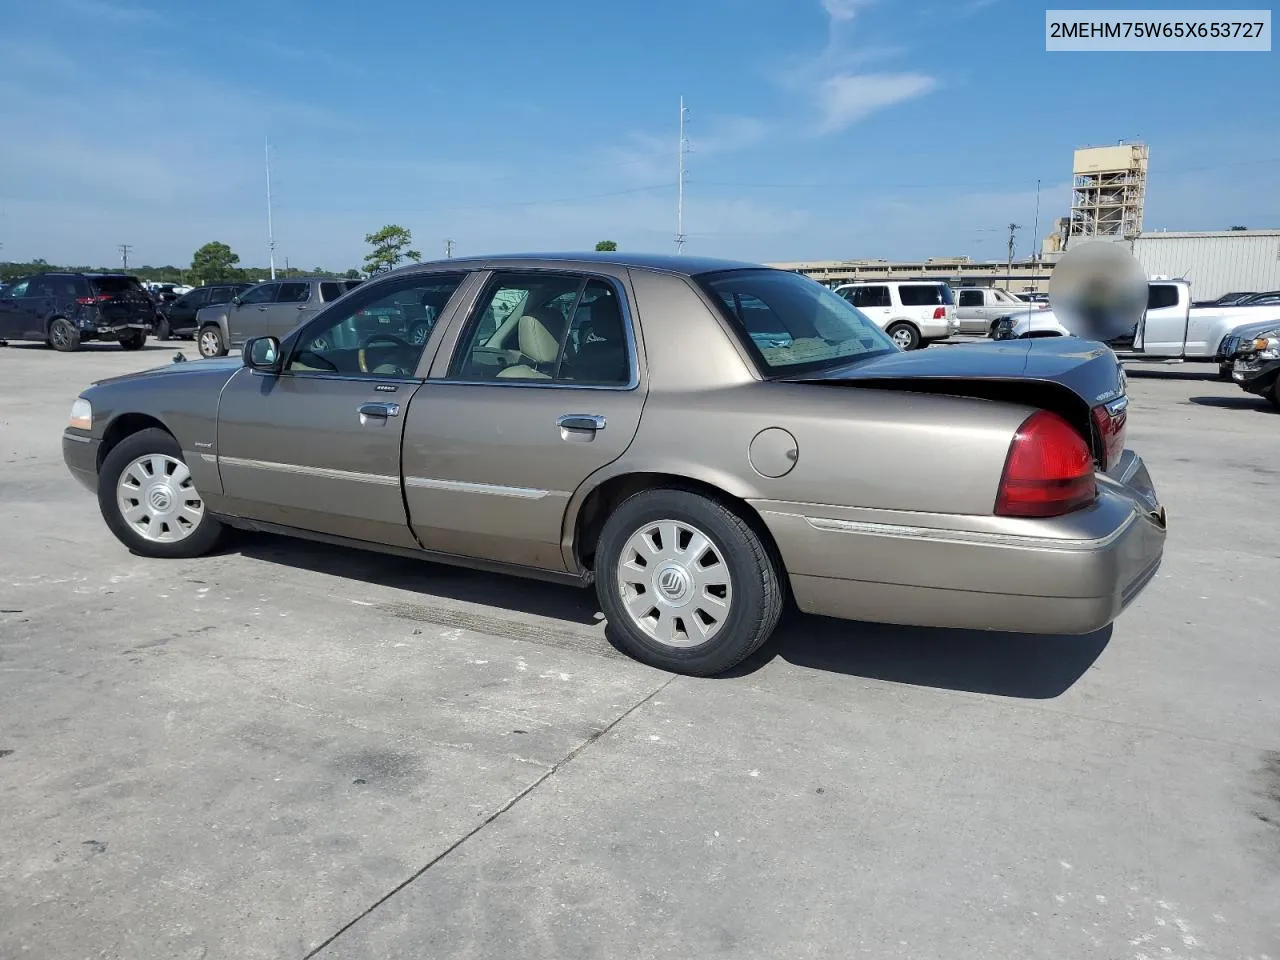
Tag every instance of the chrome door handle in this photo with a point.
(379, 411)
(581, 421)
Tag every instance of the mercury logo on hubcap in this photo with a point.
(673, 583)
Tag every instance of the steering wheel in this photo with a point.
(375, 338)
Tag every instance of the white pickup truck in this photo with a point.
(1171, 328)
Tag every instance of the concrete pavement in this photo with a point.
(291, 750)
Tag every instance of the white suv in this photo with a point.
(913, 312)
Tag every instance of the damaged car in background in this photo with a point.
(1255, 360)
(698, 439)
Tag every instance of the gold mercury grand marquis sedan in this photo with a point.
(698, 438)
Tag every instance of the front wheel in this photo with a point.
(209, 342)
(1274, 393)
(1224, 371)
(149, 501)
(133, 340)
(904, 335)
(163, 330)
(63, 336)
(686, 584)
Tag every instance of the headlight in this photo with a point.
(81, 415)
(1268, 347)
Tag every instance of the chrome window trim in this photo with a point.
(628, 326)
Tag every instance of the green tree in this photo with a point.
(352, 274)
(214, 261)
(390, 246)
(606, 246)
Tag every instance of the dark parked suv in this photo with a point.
(66, 309)
(178, 319)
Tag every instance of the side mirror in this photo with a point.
(235, 301)
(263, 353)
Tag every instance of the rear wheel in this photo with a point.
(904, 335)
(163, 330)
(133, 340)
(209, 342)
(63, 336)
(686, 584)
(149, 502)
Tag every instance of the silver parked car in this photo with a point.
(269, 309)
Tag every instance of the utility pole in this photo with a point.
(1035, 231)
(684, 148)
(124, 249)
(271, 236)
(448, 249)
(1008, 277)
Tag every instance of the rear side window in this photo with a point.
(870, 297)
(970, 298)
(330, 290)
(793, 325)
(114, 285)
(924, 294)
(1161, 295)
(293, 293)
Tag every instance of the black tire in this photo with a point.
(757, 595)
(203, 539)
(63, 336)
(1274, 393)
(133, 340)
(1224, 371)
(904, 334)
(209, 341)
(163, 330)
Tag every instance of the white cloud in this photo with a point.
(847, 98)
(841, 11)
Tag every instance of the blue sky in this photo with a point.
(818, 128)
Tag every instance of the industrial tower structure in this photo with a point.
(1109, 187)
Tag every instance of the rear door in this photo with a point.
(874, 300)
(510, 423)
(971, 308)
(1164, 326)
(291, 301)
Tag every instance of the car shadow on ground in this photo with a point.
(91, 346)
(1012, 665)
(1246, 401)
(1145, 371)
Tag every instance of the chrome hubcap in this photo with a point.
(158, 500)
(209, 344)
(674, 583)
(902, 337)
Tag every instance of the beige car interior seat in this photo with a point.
(538, 345)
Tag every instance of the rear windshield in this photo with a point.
(114, 284)
(925, 294)
(791, 324)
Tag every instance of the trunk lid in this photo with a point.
(1073, 378)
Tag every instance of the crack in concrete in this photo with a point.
(509, 804)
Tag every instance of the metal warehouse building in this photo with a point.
(1215, 263)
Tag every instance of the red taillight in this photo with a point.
(939, 313)
(88, 301)
(1049, 470)
(1109, 419)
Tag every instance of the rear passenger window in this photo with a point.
(330, 290)
(970, 298)
(922, 295)
(1161, 295)
(871, 297)
(293, 293)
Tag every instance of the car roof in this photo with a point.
(680, 264)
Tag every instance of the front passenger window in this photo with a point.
(379, 333)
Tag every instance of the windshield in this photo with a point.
(792, 324)
(114, 285)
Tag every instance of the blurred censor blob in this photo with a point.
(1098, 291)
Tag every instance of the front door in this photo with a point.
(543, 389)
(1164, 327)
(317, 446)
(13, 323)
(248, 318)
(282, 316)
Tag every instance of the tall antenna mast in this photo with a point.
(271, 237)
(684, 148)
(1035, 231)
